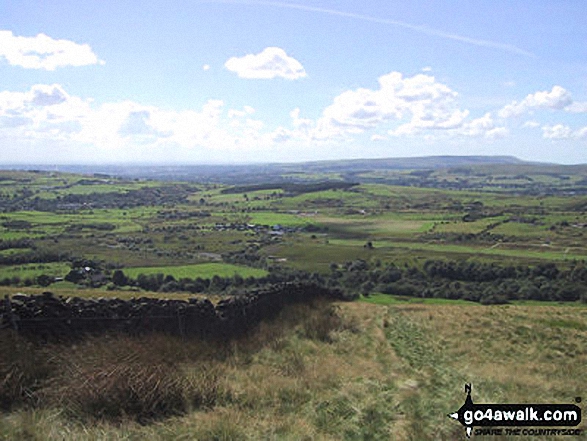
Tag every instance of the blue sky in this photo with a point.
(262, 81)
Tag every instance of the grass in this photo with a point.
(13, 251)
(352, 371)
(70, 290)
(522, 252)
(45, 223)
(547, 303)
(203, 270)
(387, 299)
(272, 218)
(32, 270)
(376, 226)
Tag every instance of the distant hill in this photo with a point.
(273, 172)
(422, 162)
(481, 173)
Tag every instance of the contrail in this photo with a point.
(416, 28)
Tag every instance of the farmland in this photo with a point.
(472, 273)
(199, 270)
(147, 227)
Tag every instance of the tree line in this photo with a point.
(487, 283)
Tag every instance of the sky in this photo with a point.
(243, 81)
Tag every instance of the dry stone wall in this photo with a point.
(51, 317)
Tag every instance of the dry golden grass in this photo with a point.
(358, 371)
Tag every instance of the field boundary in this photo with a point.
(50, 317)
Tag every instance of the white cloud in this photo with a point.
(247, 110)
(420, 101)
(401, 106)
(206, 67)
(531, 124)
(418, 107)
(129, 131)
(497, 133)
(558, 98)
(43, 52)
(577, 107)
(272, 62)
(558, 131)
(479, 127)
(41, 110)
(561, 131)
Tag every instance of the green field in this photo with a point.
(203, 270)
(284, 219)
(32, 270)
(174, 224)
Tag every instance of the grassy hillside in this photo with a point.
(358, 371)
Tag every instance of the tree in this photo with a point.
(119, 278)
(44, 280)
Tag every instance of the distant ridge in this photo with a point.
(429, 162)
(347, 169)
(441, 161)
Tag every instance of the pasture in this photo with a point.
(33, 270)
(203, 270)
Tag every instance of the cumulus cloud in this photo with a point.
(247, 110)
(300, 123)
(577, 107)
(420, 101)
(138, 123)
(271, 63)
(418, 106)
(559, 131)
(558, 98)
(562, 131)
(125, 130)
(48, 96)
(531, 124)
(400, 106)
(484, 126)
(44, 52)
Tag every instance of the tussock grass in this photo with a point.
(317, 372)
(23, 368)
(112, 378)
(126, 378)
